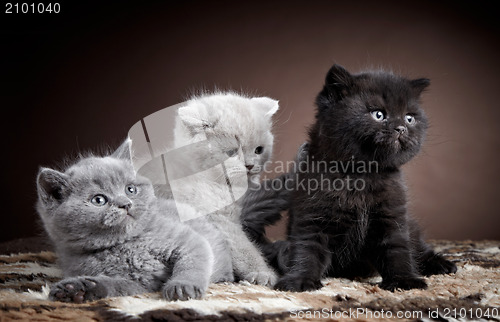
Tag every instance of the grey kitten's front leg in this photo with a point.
(90, 288)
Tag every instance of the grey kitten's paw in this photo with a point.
(266, 278)
(77, 290)
(183, 290)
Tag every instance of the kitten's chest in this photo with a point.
(362, 195)
(132, 258)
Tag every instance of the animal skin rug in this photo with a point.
(471, 293)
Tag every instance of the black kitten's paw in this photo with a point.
(438, 265)
(183, 290)
(403, 283)
(297, 284)
(77, 290)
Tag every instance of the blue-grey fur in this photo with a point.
(133, 243)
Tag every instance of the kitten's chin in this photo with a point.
(118, 219)
(392, 144)
(396, 145)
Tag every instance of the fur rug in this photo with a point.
(472, 293)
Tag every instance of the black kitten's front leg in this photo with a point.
(90, 288)
(308, 260)
(392, 256)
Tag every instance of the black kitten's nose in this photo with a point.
(400, 129)
(249, 166)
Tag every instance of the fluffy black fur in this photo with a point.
(350, 233)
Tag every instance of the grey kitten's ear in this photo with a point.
(267, 105)
(124, 152)
(52, 185)
(420, 84)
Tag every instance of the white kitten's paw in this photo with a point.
(266, 278)
(183, 290)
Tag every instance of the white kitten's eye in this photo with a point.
(378, 115)
(99, 200)
(259, 149)
(410, 119)
(231, 152)
(130, 189)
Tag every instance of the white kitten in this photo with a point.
(224, 140)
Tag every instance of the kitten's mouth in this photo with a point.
(391, 143)
(253, 170)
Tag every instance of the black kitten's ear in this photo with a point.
(338, 76)
(337, 83)
(52, 185)
(124, 152)
(420, 84)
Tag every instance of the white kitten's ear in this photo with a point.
(52, 185)
(267, 105)
(124, 152)
(189, 117)
(192, 119)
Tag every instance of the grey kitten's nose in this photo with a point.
(400, 129)
(124, 203)
(125, 206)
(249, 166)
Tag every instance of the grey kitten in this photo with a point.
(113, 237)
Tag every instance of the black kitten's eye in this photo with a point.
(259, 149)
(99, 200)
(232, 152)
(130, 189)
(378, 115)
(410, 119)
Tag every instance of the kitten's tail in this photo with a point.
(263, 207)
(277, 255)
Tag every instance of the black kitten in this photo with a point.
(356, 223)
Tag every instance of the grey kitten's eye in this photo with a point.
(259, 149)
(99, 200)
(378, 115)
(232, 152)
(130, 189)
(410, 119)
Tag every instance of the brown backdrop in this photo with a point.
(78, 80)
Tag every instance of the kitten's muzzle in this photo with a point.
(126, 206)
(123, 203)
(400, 129)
